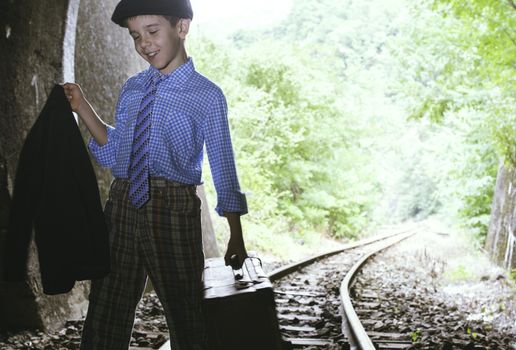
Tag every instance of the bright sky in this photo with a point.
(230, 15)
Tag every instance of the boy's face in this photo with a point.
(158, 42)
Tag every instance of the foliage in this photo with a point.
(489, 33)
(473, 335)
(354, 112)
(459, 273)
(512, 276)
(292, 144)
(415, 335)
(461, 74)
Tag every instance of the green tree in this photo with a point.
(459, 72)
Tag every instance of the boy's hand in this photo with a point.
(75, 96)
(236, 244)
(82, 107)
(235, 247)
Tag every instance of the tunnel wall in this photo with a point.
(104, 59)
(500, 241)
(40, 46)
(31, 52)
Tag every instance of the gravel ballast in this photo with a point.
(433, 287)
(441, 294)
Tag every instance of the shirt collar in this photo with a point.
(178, 77)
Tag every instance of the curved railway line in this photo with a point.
(316, 297)
(313, 302)
(401, 298)
(394, 298)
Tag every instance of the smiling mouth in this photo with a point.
(152, 54)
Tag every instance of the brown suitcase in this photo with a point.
(240, 312)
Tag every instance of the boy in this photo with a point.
(164, 116)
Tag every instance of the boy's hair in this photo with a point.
(171, 19)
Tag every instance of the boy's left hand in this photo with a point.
(236, 247)
(236, 244)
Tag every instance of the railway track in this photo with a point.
(312, 298)
(316, 298)
(397, 304)
(353, 325)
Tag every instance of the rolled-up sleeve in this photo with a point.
(105, 155)
(221, 158)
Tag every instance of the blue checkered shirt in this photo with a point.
(189, 112)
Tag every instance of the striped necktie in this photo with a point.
(139, 193)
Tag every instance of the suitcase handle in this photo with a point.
(252, 277)
(233, 260)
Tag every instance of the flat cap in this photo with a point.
(131, 8)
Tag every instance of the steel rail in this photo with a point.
(286, 270)
(360, 337)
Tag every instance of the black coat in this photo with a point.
(56, 193)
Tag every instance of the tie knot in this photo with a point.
(157, 78)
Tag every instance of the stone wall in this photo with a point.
(31, 52)
(501, 236)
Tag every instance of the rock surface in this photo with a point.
(501, 237)
(150, 331)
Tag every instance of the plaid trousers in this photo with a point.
(163, 240)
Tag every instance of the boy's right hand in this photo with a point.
(74, 95)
